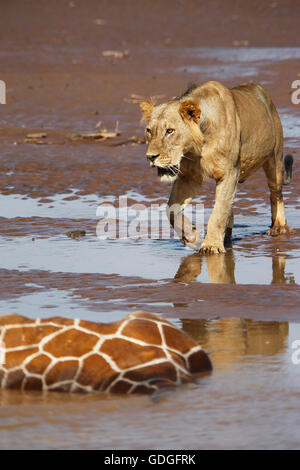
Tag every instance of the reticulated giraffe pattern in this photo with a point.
(139, 354)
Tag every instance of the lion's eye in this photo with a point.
(169, 131)
(148, 131)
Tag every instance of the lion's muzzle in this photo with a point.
(151, 158)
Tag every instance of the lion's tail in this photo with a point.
(288, 167)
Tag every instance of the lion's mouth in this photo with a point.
(169, 171)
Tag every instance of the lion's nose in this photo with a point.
(152, 158)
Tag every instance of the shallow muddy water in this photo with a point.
(242, 307)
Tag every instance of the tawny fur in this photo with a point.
(220, 133)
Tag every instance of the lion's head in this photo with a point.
(171, 131)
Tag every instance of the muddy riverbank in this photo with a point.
(243, 307)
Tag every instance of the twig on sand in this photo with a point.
(111, 138)
(36, 138)
(102, 134)
(135, 99)
(116, 54)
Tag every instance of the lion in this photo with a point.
(211, 131)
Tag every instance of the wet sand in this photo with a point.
(243, 307)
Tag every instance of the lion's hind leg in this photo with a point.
(273, 171)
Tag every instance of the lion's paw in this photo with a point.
(208, 249)
(278, 230)
(193, 241)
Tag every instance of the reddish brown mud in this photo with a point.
(243, 307)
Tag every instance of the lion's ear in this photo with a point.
(190, 111)
(146, 107)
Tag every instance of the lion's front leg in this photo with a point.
(183, 192)
(221, 214)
